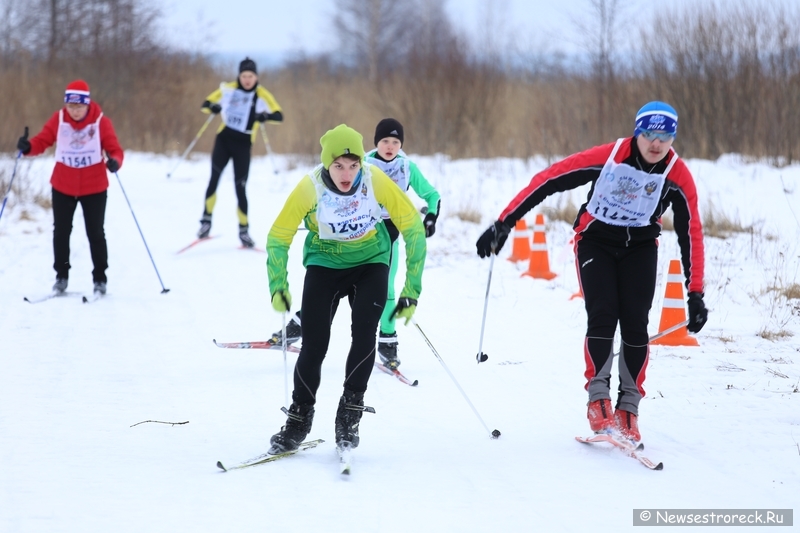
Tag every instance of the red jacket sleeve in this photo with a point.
(108, 140)
(688, 226)
(570, 173)
(45, 138)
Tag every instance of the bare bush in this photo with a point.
(732, 71)
(721, 225)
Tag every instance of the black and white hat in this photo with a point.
(388, 127)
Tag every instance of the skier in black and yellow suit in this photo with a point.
(242, 103)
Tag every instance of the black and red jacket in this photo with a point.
(584, 167)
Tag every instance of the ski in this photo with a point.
(624, 447)
(268, 458)
(253, 249)
(50, 296)
(195, 243)
(257, 345)
(92, 298)
(345, 451)
(396, 373)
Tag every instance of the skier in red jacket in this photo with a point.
(634, 181)
(81, 134)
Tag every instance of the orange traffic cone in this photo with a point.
(522, 242)
(539, 266)
(674, 310)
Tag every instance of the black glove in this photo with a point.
(430, 224)
(23, 144)
(405, 308)
(214, 108)
(493, 239)
(698, 314)
(112, 164)
(262, 117)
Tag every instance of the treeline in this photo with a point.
(731, 70)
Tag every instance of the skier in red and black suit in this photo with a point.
(82, 134)
(634, 180)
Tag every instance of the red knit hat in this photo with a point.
(77, 93)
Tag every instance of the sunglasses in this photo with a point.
(660, 135)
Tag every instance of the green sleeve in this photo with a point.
(424, 189)
(404, 215)
(300, 202)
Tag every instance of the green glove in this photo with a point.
(282, 301)
(405, 308)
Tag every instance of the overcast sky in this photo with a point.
(261, 27)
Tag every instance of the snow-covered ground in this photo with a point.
(75, 379)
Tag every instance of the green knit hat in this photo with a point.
(339, 141)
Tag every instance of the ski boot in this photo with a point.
(298, 425)
(348, 417)
(628, 425)
(293, 333)
(244, 236)
(100, 287)
(601, 416)
(205, 227)
(387, 350)
(61, 285)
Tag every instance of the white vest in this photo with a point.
(236, 105)
(346, 218)
(626, 196)
(78, 148)
(398, 169)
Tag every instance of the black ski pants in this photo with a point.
(365, 288)
(618, 284)
(94, 214)
(229, 145)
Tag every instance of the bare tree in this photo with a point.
(600, 36)
(374, 33)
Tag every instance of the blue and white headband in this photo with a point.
(656, 116)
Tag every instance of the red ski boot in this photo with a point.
(601, 416)
(627, 424)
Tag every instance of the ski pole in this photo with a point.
(285, 365)
(494, 433)
(667, 331)
(481, 357)
(263, 129)
(163, 289)
(191, 145)
(13, 173)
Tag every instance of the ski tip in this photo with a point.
(495, 434)
(221, 466)
(416, 382)
(85, 299)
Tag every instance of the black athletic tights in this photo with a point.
(94, 214)
(229, 145)
(618, 283)
(365, 288)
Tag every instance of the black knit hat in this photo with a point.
(388, 127)
(248, 64)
